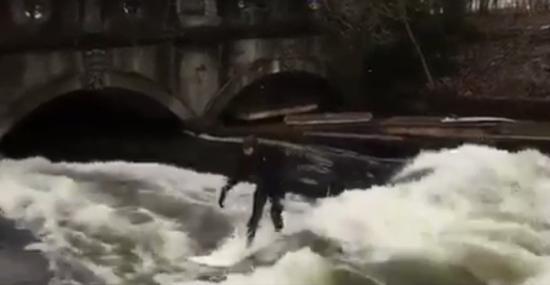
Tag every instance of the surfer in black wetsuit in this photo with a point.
(264, 165)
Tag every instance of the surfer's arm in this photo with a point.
(239, 175)
(230, 184)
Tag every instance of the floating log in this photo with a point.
(516, 108)
(273, 113)
(328, 119)
(477, 120)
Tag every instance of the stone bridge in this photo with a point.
(192, 56)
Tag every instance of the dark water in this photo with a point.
(20, 267)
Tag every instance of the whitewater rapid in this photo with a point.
(470, 215)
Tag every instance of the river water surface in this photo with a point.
(475, 215)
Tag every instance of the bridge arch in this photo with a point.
(37, 96)
(259, 72)
(64, 121)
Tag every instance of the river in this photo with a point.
(464, 216)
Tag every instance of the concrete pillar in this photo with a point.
(199, 80)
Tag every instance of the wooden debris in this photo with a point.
(328, 118)
(477, 120)
(273, 113)
(357, 136)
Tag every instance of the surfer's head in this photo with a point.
(249, 145)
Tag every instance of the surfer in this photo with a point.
(264, 166)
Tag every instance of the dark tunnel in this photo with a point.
(92, 125)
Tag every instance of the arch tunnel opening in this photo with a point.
(92, 125)
(271, 98)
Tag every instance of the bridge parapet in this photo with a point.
(34, 24)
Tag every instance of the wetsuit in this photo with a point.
(264, 167)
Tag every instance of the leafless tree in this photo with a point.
(361, 22)
(404, 17)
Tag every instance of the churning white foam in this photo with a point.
(480, 216)
(118, 222)
(482, 209)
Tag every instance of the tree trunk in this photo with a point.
(425, 67)
(484, 7)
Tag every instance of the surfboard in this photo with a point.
(234, 252)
